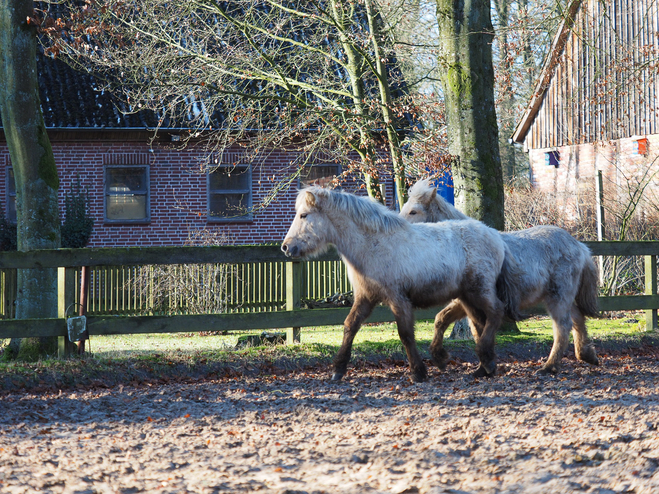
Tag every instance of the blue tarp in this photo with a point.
(444, 184)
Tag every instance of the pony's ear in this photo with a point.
(315, 196)
(429, 195)
(309, 198)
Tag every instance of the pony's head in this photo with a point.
(425, 205)
(308, 232)
(324, 217)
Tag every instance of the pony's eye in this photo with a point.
(412, 212)
(303, 215)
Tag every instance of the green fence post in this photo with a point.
(651, 289)
(293, 297)
(66, 295)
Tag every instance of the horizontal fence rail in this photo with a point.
(262, 289)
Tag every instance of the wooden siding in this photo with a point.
(604, 81)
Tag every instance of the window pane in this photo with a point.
(229, 205)
(230, 178)
(318, 174)
(126, 207)
(126, 180)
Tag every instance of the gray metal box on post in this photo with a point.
(66, 283)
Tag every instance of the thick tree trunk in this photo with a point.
(467, 77)
(34, 169)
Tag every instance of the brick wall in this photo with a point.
(178, 193)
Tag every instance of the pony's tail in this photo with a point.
(586, 299)
(507, 287)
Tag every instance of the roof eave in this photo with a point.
(547, 72)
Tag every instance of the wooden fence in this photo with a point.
(194, 288)
(292, 317)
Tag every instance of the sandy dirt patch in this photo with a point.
(584, 430)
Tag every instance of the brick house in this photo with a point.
(143, 191)
(595, 106)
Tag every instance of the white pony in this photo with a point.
(389, 260)
(553, 268)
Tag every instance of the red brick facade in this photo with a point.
(178, 195)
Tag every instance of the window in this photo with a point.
(11, 196)
(230, 193)
(127, 194)
(318, 175)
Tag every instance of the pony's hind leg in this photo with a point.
(404, 315)
(361, 309)
(583, 347)
(562, 323)
(484, 325)
(449, 314)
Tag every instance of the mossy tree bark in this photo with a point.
(467, 77)
(34, 169)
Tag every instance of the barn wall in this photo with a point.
(605, 83)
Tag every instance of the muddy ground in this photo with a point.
(585, 430)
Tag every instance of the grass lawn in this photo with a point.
(144, 358)
(371, 337)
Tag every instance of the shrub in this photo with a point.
(78, 225)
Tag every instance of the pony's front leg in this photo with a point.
(404, 315)
(361, 309)
(448, 315)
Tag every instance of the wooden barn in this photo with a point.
(595, 106)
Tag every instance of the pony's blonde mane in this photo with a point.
(444, 210)
(365, 212)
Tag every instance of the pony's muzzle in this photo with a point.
(290, 250)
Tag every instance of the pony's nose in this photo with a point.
(289, 250)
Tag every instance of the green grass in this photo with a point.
(369, 338)
(119, 358)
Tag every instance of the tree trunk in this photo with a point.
(34, 169)
(467, 78)
(374, 24)
(355, 66)
(507, 103)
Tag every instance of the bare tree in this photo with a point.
(317, 74)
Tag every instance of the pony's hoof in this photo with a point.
(590, 357)
(548, 369)
(337, 376)
(482, 372)
(419, 375)
(440, 359)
